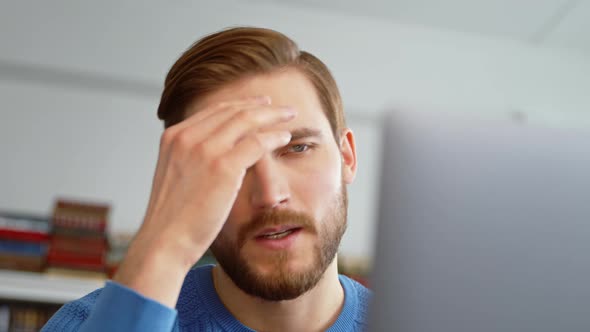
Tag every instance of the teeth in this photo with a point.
(278, 235)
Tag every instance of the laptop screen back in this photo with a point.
(484, 225)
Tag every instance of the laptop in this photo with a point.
(484, 225)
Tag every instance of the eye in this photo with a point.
(299, 148)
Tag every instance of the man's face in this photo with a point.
(286, 224)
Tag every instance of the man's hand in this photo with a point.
(201, 166)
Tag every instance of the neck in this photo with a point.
(315, 310)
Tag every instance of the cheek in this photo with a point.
(318, 182)
(317, 185)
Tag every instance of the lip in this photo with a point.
(278, 229)
(282, 243)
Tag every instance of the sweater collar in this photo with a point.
(200, 283)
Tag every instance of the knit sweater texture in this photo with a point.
(199, 308)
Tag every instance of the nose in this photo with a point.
(269, 187)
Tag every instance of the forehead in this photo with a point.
(288, 87)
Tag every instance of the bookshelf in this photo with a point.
(38, 287)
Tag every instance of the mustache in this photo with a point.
(274, 218)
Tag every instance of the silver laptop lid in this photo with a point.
(484, 226)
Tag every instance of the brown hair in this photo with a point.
(232, 54)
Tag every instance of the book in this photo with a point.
(77, 232)
(24, 240)
(4, 317)
(25, 317)
(11, 261)
(24, 222)
(80, 215)
(76, 273)
(72, 260)
(80, 245)
(23, 235)
(23, 248)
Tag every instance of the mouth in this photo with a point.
(278, 238)
(279, 234)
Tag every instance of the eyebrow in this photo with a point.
(300, 133)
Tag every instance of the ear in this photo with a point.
(348, 152)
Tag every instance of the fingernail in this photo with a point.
(285, 137)
(289, 111)
(264, 100)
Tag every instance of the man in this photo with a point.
(253, 164)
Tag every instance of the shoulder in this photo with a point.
(72, 314)
(358, 299)
(364, 294)
(198, 280)
(192, 302)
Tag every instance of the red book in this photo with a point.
(79, 245)
(23, 235)
(57, 258)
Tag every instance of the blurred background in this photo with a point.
(80, 84)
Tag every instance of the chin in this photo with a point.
(281, 263)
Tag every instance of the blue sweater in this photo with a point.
(118, 308)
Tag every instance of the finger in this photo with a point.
(250, 149)
(243, 123)
(215, 122)
(219, 111)
(231, 105)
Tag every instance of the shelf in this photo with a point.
(37, 287)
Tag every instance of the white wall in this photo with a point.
(101, 142)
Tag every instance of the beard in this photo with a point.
(282, 283)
